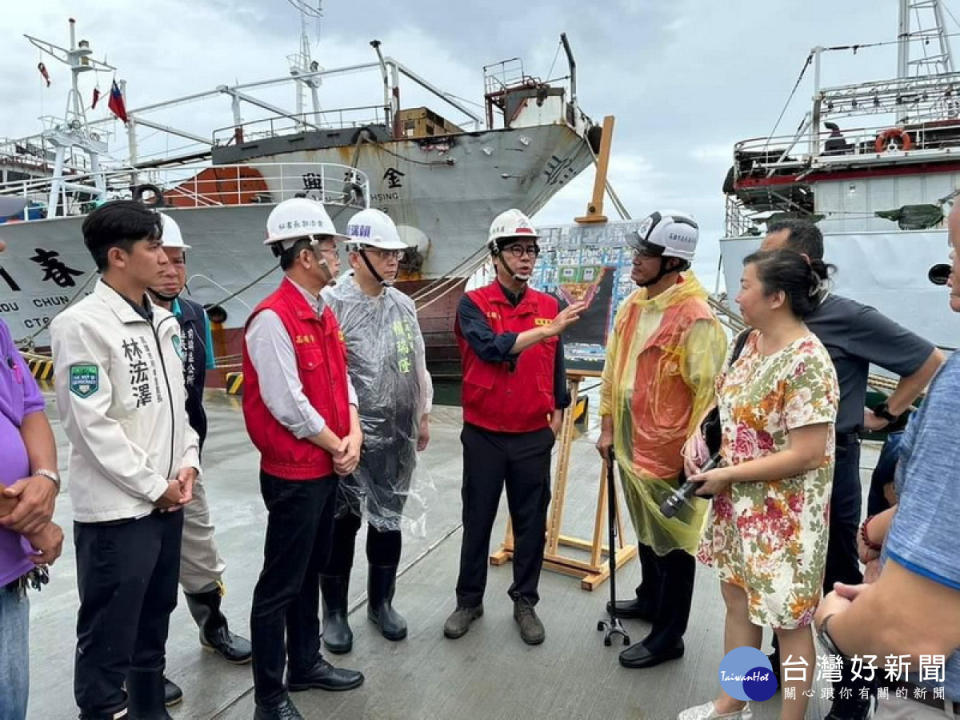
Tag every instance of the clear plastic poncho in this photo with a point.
(658, 382)
(386, 361)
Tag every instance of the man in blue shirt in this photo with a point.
(913, 608)
(201, 567)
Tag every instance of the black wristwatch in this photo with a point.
(883, 411)
(823, 635)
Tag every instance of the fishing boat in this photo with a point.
(441, 180)
(875, 164)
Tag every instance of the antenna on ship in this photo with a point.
(932, 34)
(73, 131)
(302, 66)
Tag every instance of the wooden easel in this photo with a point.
(594, 572)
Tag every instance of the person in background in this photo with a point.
(658, 382)
(300, 410)
(767, 530)
(386, 359)
(29, 539)
(133, 462)
(856, 336)
(201, 567)
(514, 395)
(912, 610)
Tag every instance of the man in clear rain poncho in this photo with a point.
(658, 382)
(387, 365)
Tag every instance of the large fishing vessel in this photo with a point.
(441, 181)
(876, 165)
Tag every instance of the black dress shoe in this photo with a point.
(286, 710)
(635, 609)
(638, 656)
(172, 694)
(324, 676)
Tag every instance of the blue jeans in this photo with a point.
(14, 658)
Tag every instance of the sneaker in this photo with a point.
(708, 711)
(459, 621)
(531, 629)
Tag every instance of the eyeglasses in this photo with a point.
(328, 251)
(518, 251)
(385, 254)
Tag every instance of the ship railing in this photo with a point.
(850, 145)
(336, 119)
(204, 185)
(499, 76)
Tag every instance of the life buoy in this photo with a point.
(893, 139)
(157, 201)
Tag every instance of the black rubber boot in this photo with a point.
(381, 582)
(172, 694)
(337, 635)
(145, 695)
(214, 632)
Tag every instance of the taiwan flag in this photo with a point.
(116, 104)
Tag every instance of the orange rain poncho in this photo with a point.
(658, 382)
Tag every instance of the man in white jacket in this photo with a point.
(133, 461)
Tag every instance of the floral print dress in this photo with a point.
(770, 538)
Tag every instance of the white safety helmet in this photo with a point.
(297, 218)
(666, 234)
(509, 225)
(373, 228)
(172, 237)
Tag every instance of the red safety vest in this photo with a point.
(494, 397)
(322, 366)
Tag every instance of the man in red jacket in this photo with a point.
(514, 394)
(301, 413)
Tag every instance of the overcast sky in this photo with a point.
(684, 78)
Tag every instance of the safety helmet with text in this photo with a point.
(373, 228)
(510, 225)
(666, 234)
(172, 237)
(299, 218)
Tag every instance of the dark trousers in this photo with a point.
(287, 595)
(127, 577)
(383, 547)
(666, 589)
(522, 461)
(843, 563)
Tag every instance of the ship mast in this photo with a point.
(930, 31)
(302, 64)
(73, 131)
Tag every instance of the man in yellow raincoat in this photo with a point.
(658, 383)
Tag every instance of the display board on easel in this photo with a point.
(592, 264)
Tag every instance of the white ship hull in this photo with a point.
(451, 202)
(450, 188)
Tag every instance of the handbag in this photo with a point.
(710, 427)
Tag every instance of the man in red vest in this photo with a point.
(514, 394)
(301, 413)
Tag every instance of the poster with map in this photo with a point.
(590, 263)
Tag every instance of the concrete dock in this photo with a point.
(489, 673)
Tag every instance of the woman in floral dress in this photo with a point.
(767, 535)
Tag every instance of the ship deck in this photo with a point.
(489, 673)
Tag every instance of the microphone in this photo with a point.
(671, 506)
